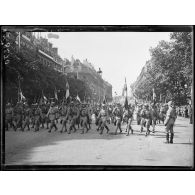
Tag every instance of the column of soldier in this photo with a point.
(78, 116)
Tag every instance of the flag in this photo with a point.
(54, 36)
(124, 89)
(160, 97)
(41, 101)
(154, 95)
(126, 103)
(18, 40)
(78, 98)
(67, 90)
(44, 98)
(105, 100)
(56, 95)
(72, 60)
(21, 95)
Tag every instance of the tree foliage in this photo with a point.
(35, 79)
(169, 71)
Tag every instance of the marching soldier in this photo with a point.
(9, 114)
(145, 119)
(27, 114)
(73, 114)
(154, 115)
(169, 122)
(44, 115)
(103, 119)
(37, 116)
(162, 114)
(64, 117)
(18, 116)
(84, 119)
(137, 112)
(52, 117)
(128, 117)
(117, 112)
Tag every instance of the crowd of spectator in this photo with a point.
(185, 111)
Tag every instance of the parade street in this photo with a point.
(43, 148)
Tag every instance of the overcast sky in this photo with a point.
(118, 54)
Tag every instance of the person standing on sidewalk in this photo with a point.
(169, 122)
(190, 113)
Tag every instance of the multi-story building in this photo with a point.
(41, 49)
(86, 72)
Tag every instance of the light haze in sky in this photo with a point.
(118, 54)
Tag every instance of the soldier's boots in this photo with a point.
(167, 138)
(171, 138)
(102, 128)
(147, 132)
(107, 128)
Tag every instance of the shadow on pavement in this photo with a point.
(184, 143)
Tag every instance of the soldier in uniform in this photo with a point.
(38, 116)
(84, 119)
(117, 112)
(162, 114)
(27, 114)
(103, 115)
(18, 116)
(190, 113)
(73, 114)
(154, 116)
(44, 115)
(97, 122)
(89, 114)
(128, 117)
(137, 112)
(169, 122)
(52, 117)
(145, 119)
(32, 117)
(9, 113)
(64, 117)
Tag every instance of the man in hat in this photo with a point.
(27, 114)
(37, 116)
(18, 116)
(128, 117)
(52, 116)
(64, 117)
(9, 114)
(137, 113)
(162, 113)
(117, 112)
(72, 114)
(103, 115)
(84, 118)
(170, 121)
(44, 111)
(145, 119)
(154, 116)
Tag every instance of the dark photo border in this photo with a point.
(84, 28)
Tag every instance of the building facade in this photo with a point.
(43, 51)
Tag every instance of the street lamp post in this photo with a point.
(100, 73)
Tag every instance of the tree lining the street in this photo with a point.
(37, 79)
(169, 71)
